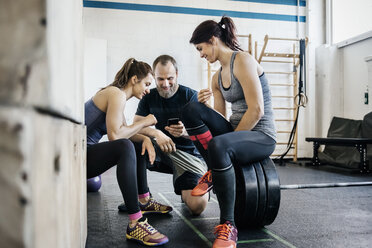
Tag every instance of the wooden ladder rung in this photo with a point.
(283, 131)
(276, 61)
(280, 72)
(282, 84)
(285, 143)
(290, 39)
(282, 108)
(282, 55)
(283, 96)
(243, 35)
(275, 155)
(284, 120)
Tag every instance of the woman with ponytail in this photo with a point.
(104, 115)
(248, 136)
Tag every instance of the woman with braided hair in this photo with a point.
(104, 115)
(248, 136)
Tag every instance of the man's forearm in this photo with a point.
(138, 138)
(148, 131)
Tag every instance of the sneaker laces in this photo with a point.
(151, 202)
(206, 178)
(147, 226)
(223, 231)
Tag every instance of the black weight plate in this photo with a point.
(246, 196)
(272, 189)
(262, 199)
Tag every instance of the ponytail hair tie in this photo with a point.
(221, 25)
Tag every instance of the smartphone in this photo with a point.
(173, 121)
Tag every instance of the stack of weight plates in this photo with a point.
(257, 194)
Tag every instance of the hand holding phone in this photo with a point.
(175, 127)
(173, 121)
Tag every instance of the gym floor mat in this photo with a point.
(332, 217)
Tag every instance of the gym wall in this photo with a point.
(343, 76)
(357, 76)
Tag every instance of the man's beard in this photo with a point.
(169, 93)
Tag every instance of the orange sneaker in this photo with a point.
(204, 185)
(227, 236)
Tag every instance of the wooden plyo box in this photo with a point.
(42, 180)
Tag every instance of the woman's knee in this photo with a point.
(218, 153)
(126, 156)
(124, 146)
(216, 145)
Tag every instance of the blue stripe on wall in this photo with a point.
(282, 2)
(190, 11)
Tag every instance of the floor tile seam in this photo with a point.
(186, 221)
(280, 239)
(254, 241)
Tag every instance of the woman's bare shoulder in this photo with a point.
(108, 94)
(245, 57)
(111, 91)
(245, 60)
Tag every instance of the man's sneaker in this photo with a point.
(204, 185)
(153, 206)
(145, 234)
(227, 236)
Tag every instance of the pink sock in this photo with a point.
(144, 195)
(135, 216)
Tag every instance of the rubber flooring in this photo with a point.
(329, 217)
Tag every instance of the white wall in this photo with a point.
(356, 78)
(95, 66)
(147, 34)
(342, 79)
(368, 60)
(329, 85)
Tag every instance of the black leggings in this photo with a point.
(222, 149)
(121, 152)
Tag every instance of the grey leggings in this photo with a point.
(222, 149)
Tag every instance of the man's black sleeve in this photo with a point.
(143, 107)
(194, 96)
